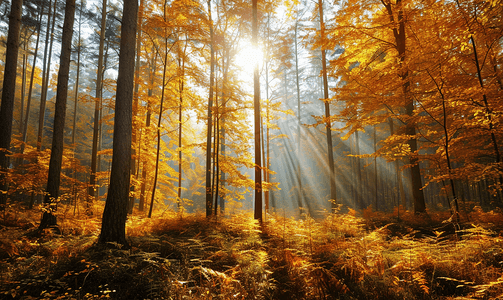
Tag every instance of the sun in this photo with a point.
(246, 58)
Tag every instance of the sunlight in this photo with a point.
(246, 58)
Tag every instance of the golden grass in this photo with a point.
(341, 256)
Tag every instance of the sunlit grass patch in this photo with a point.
(340, 256)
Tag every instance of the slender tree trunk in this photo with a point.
(23, 85)
(447, 149)
(45, 77)
(217, 162)
(410, 129)
(113, 227)
(54, 177)
(486, 103)
(99, 166)
(181, 82)
(267, 157)
(299, 155)
(209, 192)
(76, 100)
(30, 89)
(359, 181)
(96, 132)
(376, 199)
(333, 191)
(136, 105)
(165, 68)
(222, 126)
(256, 106)
(214, 185)
(402, 200)
(9, 95)
(147, 125)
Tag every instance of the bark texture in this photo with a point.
(8, 94)
(113, 228)
(54, 177)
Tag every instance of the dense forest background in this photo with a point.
(137, 138)
(410, 93)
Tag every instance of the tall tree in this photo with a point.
(147, 125)
(161, 108)
(97, 106)
(113, 227)
(326, 100)
(397, 17)
(30, 89)
(49, 39)
(209, 191)
(8, 94)
(136, 104)
(54, 177)
(256, 108)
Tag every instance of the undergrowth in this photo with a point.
(342, 256)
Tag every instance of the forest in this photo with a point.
(263, 149)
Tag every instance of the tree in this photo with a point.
(209, 190)
(97, 106)
(256, 108)
(8, 94)
(54, 177)
(161, 108)
(30, 89)
(113, 228)
(326, 100)
(49, 39)
(396, 16)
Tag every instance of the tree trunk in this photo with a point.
(30, 89)
(45, 76)
(23, 85)
(181, 82)
(333, 191)
(256, 108)
(99, 83)
(299, 155)
(9, 95)
(214, 184)
(156, 170)
(135, 106)
(141, 206)
(76, 100)
(222, 126)
(54, 177)
(359, 181)
(113, 227)
(209, 192)
(410, 129)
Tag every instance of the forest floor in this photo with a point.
(342, 256)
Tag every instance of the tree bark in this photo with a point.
(297, 83)
(181, 83)
(54, 177)
(410, 129)
(8, 94)
(30, 89)
(209, 192)
(141, 206)
(113, 227)
(76, 100)
(159, 121)
(256, 108)
(135, 106)
(99, 82)
(328, 126)
(46, 73)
